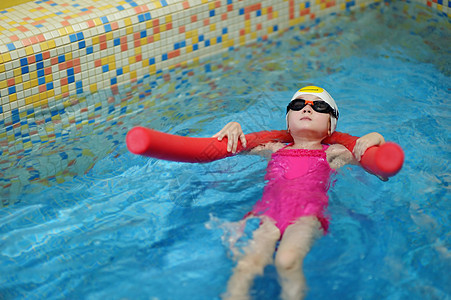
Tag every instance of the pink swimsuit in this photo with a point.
(298, 181)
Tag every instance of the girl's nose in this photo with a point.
(307, 108)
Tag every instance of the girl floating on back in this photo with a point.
(292, 208)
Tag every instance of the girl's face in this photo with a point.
(307, 120)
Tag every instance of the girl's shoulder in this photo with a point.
(267, 148)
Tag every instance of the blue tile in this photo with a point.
(73, 38)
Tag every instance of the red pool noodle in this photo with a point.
(385, 160)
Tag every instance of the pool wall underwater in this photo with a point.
(55, 56)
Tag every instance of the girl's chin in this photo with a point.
(308, 131)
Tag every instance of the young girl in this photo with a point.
(292, 208)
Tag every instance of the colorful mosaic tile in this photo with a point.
(55, 55)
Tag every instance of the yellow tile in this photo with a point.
(111, 59)
(35, 99)
(129, 30)
(95, 40)
(189, 48)
(42, 96)
(12, 97)
(128, 22)
(17, 72)
(6, 57)
(28, 100)
(126, 69)
(27, 145)
(229, 43)
(50, 93)
(68, 56)
(26, 85)
(97, 21)
(131, 60)
(62, 32)
(52, 44)
(104, 61)
(18, 79)
(29, 50)
(3, 84)
(156, 37)
(49, 78)
(157, 4)
(33, 75)
(109, 36)
(138, 50)
(195, 40)
(44, 46)
(213, 41)
(149, 24)
(133, 74)
(65, 88)
(43, 102)
(168, 18)
(211, 6)
(212, 27)
(254, 35)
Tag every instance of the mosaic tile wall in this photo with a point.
(53, 54)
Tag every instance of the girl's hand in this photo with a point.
(233, 132)
(366, 141)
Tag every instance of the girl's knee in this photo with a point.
(287, 260)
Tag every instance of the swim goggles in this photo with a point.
(318, 106)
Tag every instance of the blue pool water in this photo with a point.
(120, 226)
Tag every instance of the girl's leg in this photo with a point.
(257, 254)
(294, 246)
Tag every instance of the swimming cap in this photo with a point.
(323, 95)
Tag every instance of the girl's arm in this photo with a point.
(338, 155)
(366, 141)
(234, 132)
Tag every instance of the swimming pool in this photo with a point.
(138, 228)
